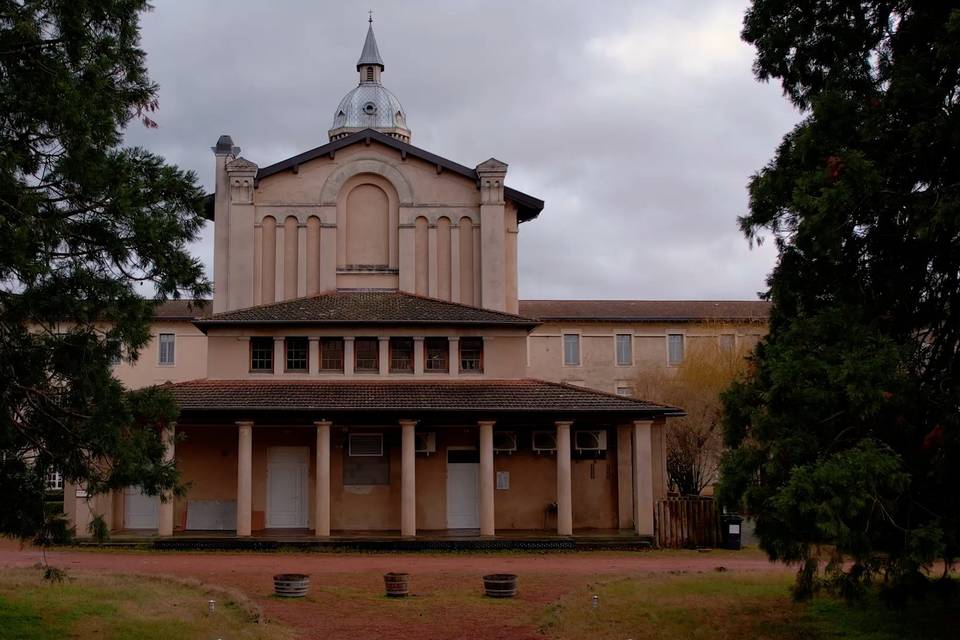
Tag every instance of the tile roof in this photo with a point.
(369, 307)
(646, 310)
(525, 394)
(185, 309)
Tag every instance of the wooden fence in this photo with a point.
(687, 522)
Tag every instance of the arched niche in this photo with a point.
(368, 213)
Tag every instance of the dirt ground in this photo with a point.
(347, 601)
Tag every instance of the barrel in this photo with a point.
(397, 584)
(291, 585)
(500, 585)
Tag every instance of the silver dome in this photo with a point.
(370, 106)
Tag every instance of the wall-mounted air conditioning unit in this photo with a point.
(590, 440)
(425, 442)
(544, 442)
(504, 441)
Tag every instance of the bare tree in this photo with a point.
(694, 443)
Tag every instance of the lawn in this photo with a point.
(90, 605)
(734, 606)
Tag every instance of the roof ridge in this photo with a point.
(463, 304)
(606, 394)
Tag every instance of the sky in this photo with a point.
(638, 122)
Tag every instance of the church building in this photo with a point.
(366, 367)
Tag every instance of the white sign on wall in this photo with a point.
(503, 480)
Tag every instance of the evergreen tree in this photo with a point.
(84, 222)
(844, 437)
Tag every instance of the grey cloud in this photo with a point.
(639, 123)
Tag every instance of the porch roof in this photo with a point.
(413, 397)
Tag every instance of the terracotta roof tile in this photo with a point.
(413, 395)
(647, 310)
(370, 307)
(182, 309)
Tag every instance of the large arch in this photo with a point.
(334, 183)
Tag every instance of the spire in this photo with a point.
(370, 54)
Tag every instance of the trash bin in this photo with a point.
(731, 523)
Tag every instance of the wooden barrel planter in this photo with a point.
(500, 585)
(291, 585)
(397, 584)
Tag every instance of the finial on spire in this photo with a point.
(370, 54)
(370, 19)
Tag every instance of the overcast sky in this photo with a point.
(638, 122)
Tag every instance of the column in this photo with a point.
(564, 492)
(314, 360)
(321, 521)
(348, 356)
(454, 365)
(384, 345)
(279, 356)
(408, 481)
(418, 355)
(642, 478)
(244, 477)
(486, 478)
(625, 476)
(165, 524)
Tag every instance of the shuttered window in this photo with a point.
(674, 348)
(571, 350)
(624, 349)
(167, 348)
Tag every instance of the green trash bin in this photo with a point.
(732, 525)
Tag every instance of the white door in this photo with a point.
(463, 491)
(139, 510)
(287, 471)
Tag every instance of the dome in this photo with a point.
(370, 106)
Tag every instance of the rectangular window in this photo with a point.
(167, 348)
(401, 355)
(471, 355)
(366, 445)
(674, 348)
(298, 354)
(117, 348)
(727, 342)
(261, 354)
(331, 354)
(436, 355)
(624, 349)
(624, 390)
(367, 352)
(54, 481)
(571, 349)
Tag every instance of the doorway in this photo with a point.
(463, 488)
(140, 511)
(287, 492)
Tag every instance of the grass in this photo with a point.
(728, 606)
(122, 608)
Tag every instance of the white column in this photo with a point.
(642, 478)
(486, 478)
(244, 477)
(384, 345)
(454, 367)
(165, 524)
(625, 476)
(418, 355)
(564, 485)
(408, 479)
(322, 505)
(348, 356)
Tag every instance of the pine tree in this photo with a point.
(845, 436)
(84, 222)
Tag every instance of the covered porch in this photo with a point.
(516, 460)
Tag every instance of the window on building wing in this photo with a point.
(624, 349)
(401, 355)
(298, 354)
(727, 342)
(674, 348)
(571, 349)
(624, 390)
(436, 355)
(331, 354)
(167, 348)
(367, 352)
(471, 355)
(261, 354)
